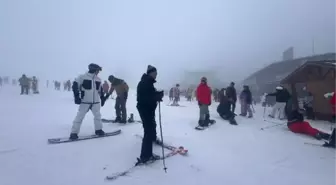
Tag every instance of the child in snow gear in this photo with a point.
(24, 83)
(203, 94)
(121, 88)
(297, 124)
(231, 94)
(224, 108)
(147, 99)
(281, 96)
(246, 102)
(88, 94)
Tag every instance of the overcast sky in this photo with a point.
(57, 39)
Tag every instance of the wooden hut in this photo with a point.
(319, 78)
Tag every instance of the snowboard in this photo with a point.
(81, 138)
(203, 128)
(113, 121)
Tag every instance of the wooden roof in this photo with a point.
(311, 71)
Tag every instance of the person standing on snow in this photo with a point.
(147, 99)
(121, 88)
(24, 83)
(246, 102)
(281, 97)
(176, 95)
(203, 94)
(88, 94)
(231, 94)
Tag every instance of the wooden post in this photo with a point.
(295, 101)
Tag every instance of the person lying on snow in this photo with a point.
(296, 124)
(224, 108)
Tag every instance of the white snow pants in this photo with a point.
(281, 107)
(82, 110)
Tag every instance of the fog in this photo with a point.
(57, 39)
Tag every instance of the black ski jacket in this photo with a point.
(294, 117)
(281, 96)
(147, 95)
(231, 93)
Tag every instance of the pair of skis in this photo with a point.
(173, 151)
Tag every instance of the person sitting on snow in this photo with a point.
(297, 124)
(224, 108)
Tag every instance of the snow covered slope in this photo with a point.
(220, 155)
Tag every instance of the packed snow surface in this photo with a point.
(220, 155)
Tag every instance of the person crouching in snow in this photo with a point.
(203, 94)
(224, 108)
(246, 101)
(281, 96)
(88, 94)
(297, 124)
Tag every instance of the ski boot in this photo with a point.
(143, 161)
(233, 121)
(73, 136)
(99, 133)
(117, 120)
(208, 120)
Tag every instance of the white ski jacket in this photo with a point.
(90, 87)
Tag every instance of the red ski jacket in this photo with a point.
(203, 94)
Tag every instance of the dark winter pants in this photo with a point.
(120, 108)
(149, 126)
(24, 89)
(303, 128)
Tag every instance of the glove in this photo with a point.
(159, 95)
(78, 100)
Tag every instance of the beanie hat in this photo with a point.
(110, 78)
(279, 88)
(94, 67)
(150, 69)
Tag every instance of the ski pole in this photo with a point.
(271, 126)
(163, 160)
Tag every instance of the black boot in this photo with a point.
(233, 121)
(208, 120)
(331, 143)
(99, 132)
(117, 120)
(73, 136)
(325, 136)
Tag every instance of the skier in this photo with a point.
(203, 94)
(263, 100)
(189, 94)
(176, 95)
(121, 88)
(35, 85)
(147, 98)
(246, 101)
(24, 83)
(281, 97)
(231, 93)
(171, 94)
(88, 95)
(297, 124)
(224, 108)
